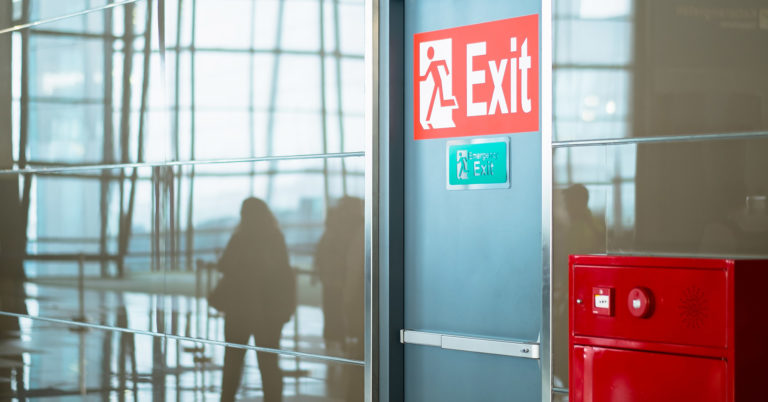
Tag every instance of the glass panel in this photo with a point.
(578, 227)
(298, 89)
(90, 23)
(66, 67)
(277, 93)
(351, 17)
(226, 25)
(706, 198)
(577, 45)
(688, 198)
(293, 261)
(644, 67)
(680, 198)
(76, 99)
(261, 375)
(142, 253)
(44, 360)
(266, 23)
(638, 69)
(65, 133)
(92, 249)
(301, 25)
(44, 9)
(591, 103)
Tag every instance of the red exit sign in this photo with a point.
(477, 79)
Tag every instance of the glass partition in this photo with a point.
(660, 129)
(55, 361)
(194, 182)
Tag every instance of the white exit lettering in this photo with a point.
(497, 69)
(482, 169)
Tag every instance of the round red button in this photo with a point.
(640, 302)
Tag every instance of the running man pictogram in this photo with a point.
(433, 70)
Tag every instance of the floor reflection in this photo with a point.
(61, 363)
(155, 294)
(120, 303)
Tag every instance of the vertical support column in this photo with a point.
(391, 165)
(6, 77)
(108, 147)
(323, 106)
(12, 235)
(339, 91)
(190, 244)
(546, 198)
(188, 263)
(24, 118)
(371, 199)
(252, 96)
(273, 99)
(125, 119)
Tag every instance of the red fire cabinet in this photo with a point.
(653, 329)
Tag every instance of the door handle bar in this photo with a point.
(470, 344)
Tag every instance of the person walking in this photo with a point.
(257, 294)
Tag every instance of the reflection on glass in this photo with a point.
(142, 247)
(96, 258)
(639, 69)
(80, 86)
(82, 244)
(256, 294)
(689, 198)
(712, 196)
(37, 10)
(338, 265)
(593, 68)
(576, 230)
(95, 247)
(628, 69)
(48, 361)
(323, 239)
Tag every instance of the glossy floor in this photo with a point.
(43, 360)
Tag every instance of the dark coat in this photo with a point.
(258, 280)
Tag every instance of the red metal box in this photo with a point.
(667, 329)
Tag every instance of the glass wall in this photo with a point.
(181, 203)
(660, 135)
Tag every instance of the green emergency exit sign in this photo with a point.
(477, 164)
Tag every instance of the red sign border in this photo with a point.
(472, 132)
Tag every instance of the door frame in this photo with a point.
(385, 198)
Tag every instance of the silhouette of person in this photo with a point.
(354, 311)
(433, 70)
(12, 293)
(256, 294)
(577, 231)
(341, 226)
(586, 234)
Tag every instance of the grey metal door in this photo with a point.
(473, 258)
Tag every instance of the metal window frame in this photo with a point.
(546, 78)
(371, 338)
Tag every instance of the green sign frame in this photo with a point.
(477, 164)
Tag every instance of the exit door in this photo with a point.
(473, 257)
